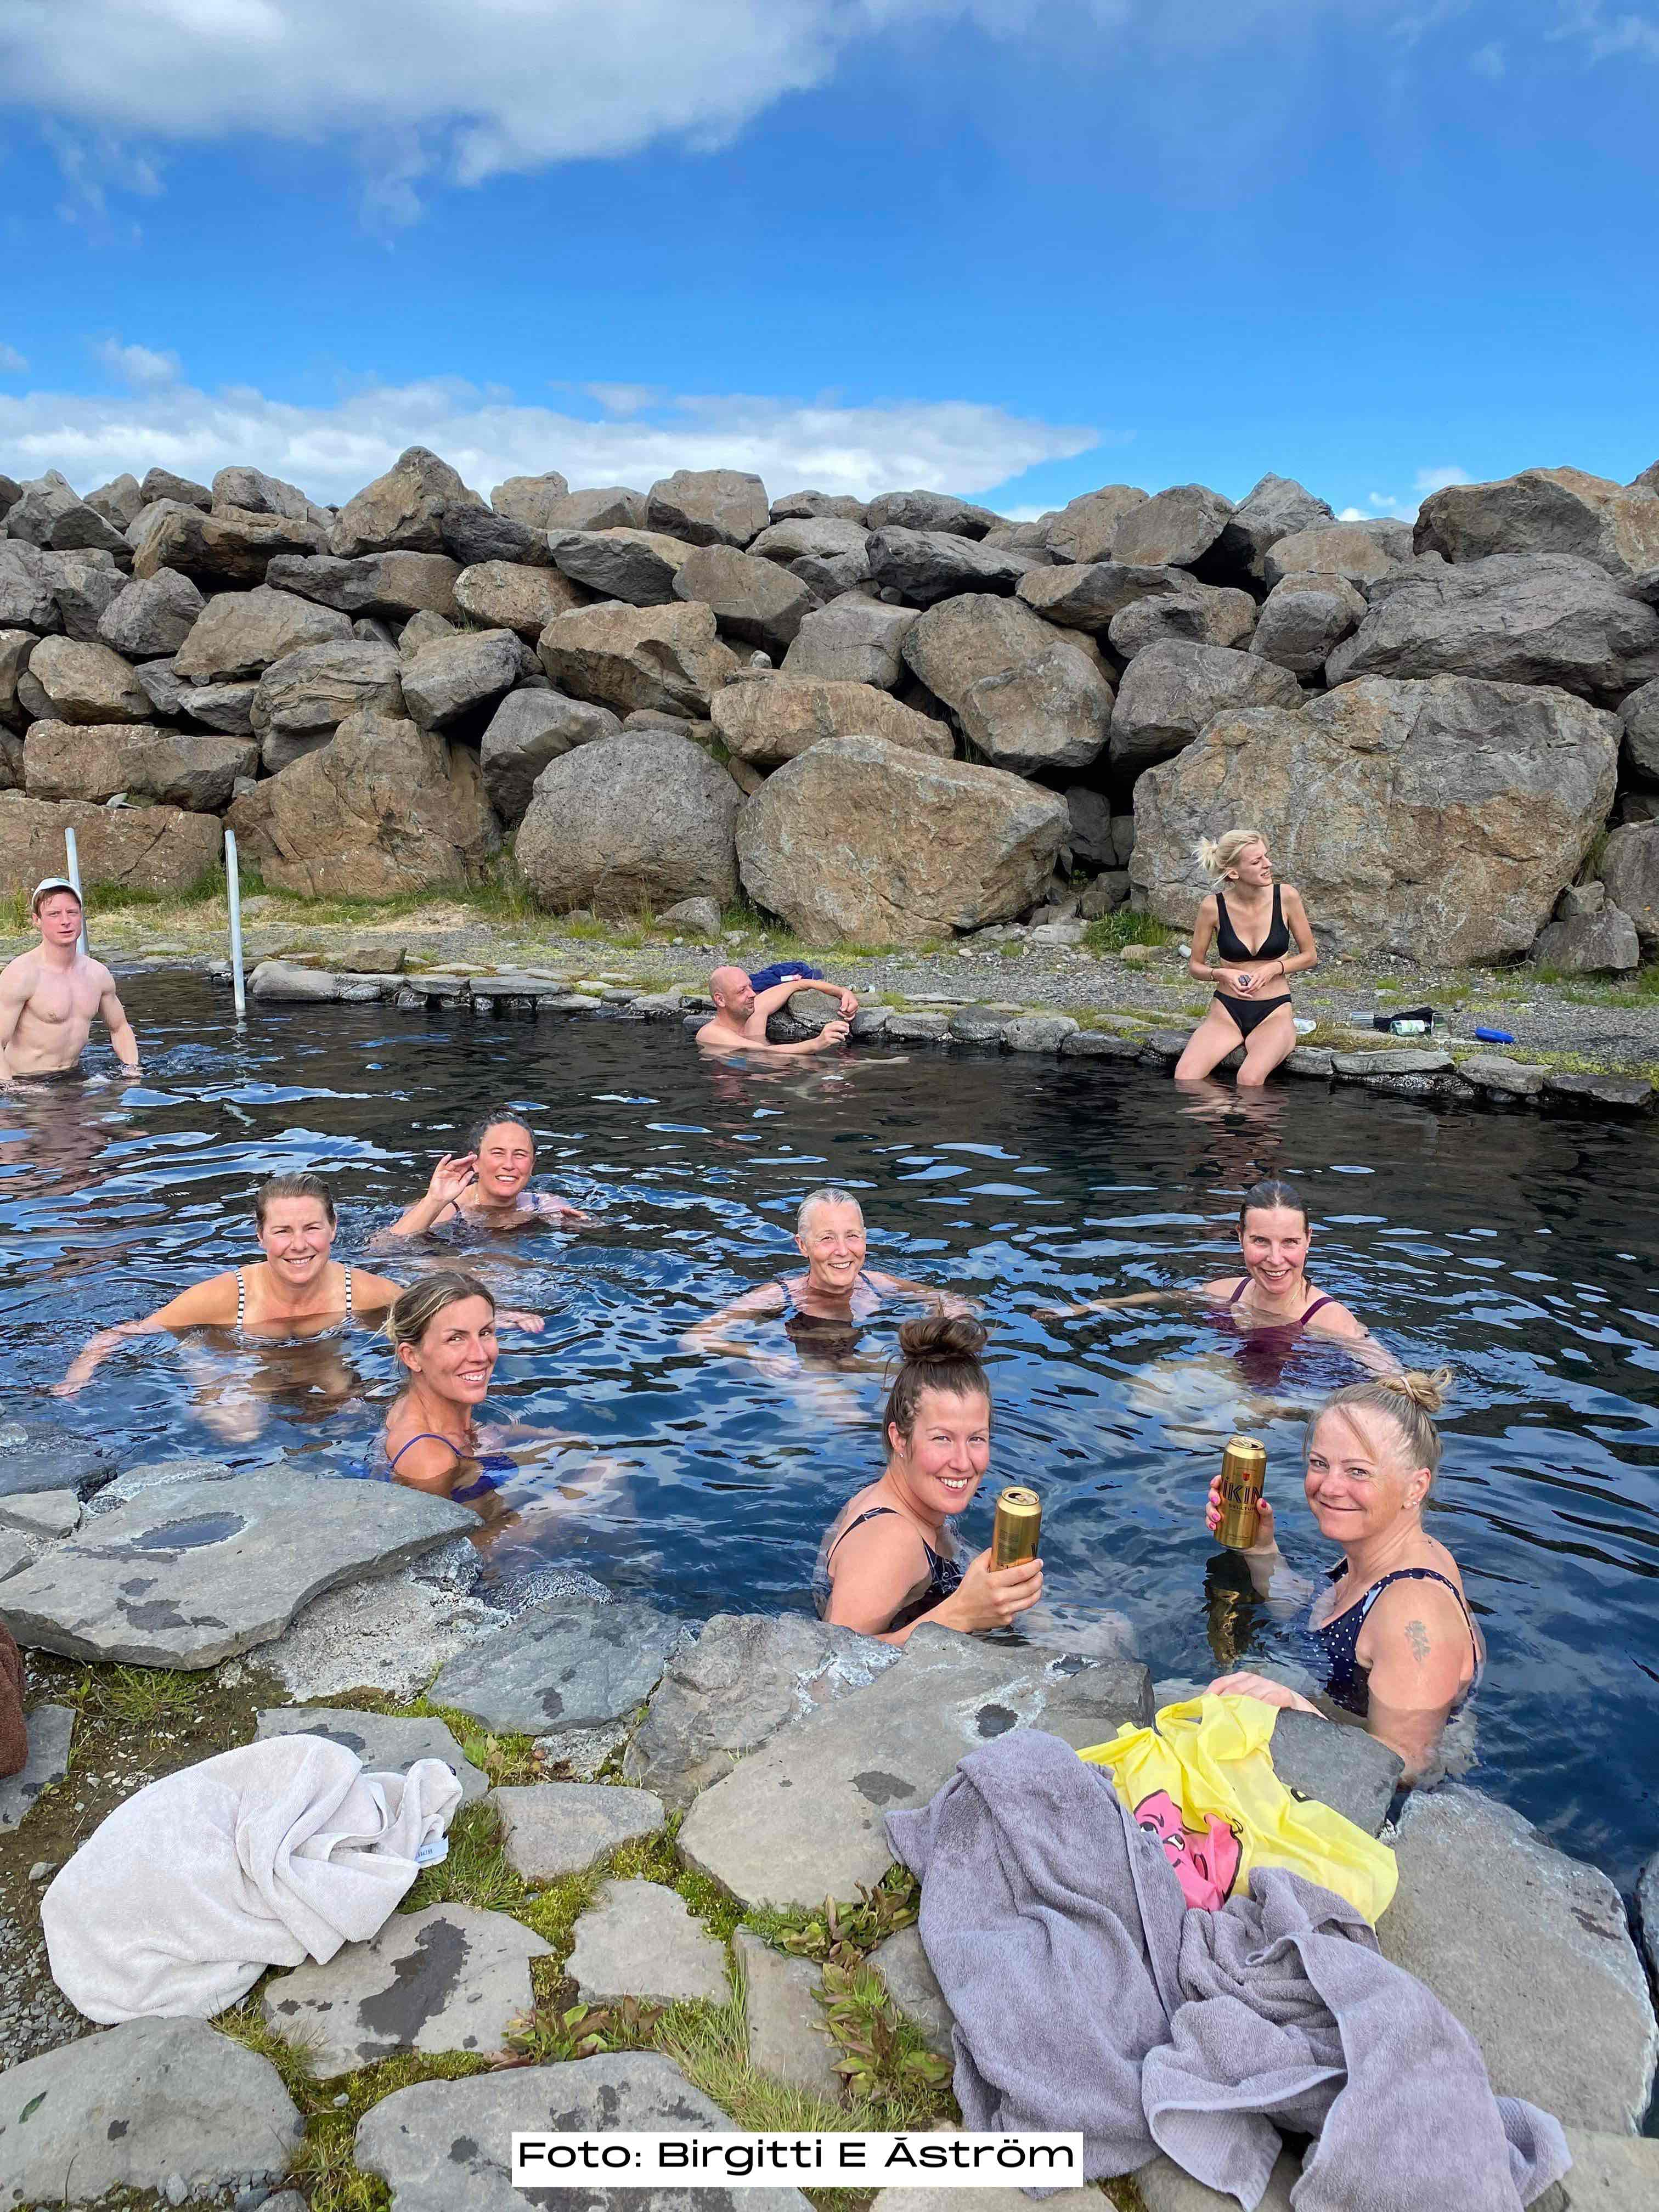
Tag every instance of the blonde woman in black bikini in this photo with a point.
(1261, 936)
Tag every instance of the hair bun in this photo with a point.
(1428, 1392)
(1209, 854)
(943, 1336)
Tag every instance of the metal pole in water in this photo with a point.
(72, 870)
(233, 886)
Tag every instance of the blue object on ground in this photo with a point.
(782, 969)
(1494, 1037)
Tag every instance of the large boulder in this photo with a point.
(26, 598)
(477, 535)
(629, 658)
(1172, 529)
(84, 586)
(708, 506)
(226, 707)
(644, 819)
(163, 483)
(1514, 618)
(1439, 819)
(1544, 511)
(1090, 595)
(1085, 526)
(316, 688)
(152, 849)
(1304, 618)
(1272, 509)
(930, 510)
(854, 640)
(238, 634)
(187, 768)
(1361, 552)
(16, 647)
(1630, 869)
(53, 515)
(256, 493)
(605, 507)
(226, 548)
(859, 838)
(452, 684)
(1202, 614)
(1026, 694)
(148, 619)
(121, 501)
(924, 566)
(1173, 689)
(508, 595)
(527, 731)
(82, 683)
(530, 500)
(772, 719)
(755, 600)
(1604, 943)
(1640, 714)
(636, 566)
(394, 585)
(819, 537)
(810, 505)
(383, 808)
(404, 508)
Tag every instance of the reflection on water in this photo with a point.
(1508, 1245)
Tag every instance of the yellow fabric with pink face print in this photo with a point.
(1202, 1780)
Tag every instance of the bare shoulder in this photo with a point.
(427, 1463)
(374, 1291)
(1224, 1286)
(1432, 1605)
(1291, 898)
(1335, 1319)
(208, 1302)
(18, 975)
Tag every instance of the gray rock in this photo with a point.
(606, 506)
(1612, 1094)
(1304, 619)
(1092, 596)
(643, 818)
(194, 1573)
(1024, 693)
(622, 657)
(1039, 1032)
(528, 730)
(554, 1828)
(854, 640)
(284, 983)
(532, 500)
(701, 916)
(914, 1987)
(708, 506)
(43, 1513)
(640, 1940)
(1630, 870)
(1614, 2173)
(924, 566)
(1363, 552)
(136, 2104)
(1273, 510)
(1100, 1044)
(1647, 1905)
(812, 505)
(1402, 1061)
(315, 689)
(801, 1819)
(256, 493)
(26, 597)
(1604, 944)
(16, 647)
(1108, 891)
(121, 501)
(1343, 1767)
(1166, 2187)
(175, 768)
(149, 619)
(563, 1666)
(225, 708)
(767, 723)
(1173, 690)
(163, 483)
(51, 1727)
(1640, 714)
(17, 1552)
(391, 586)
(34, 1457)
(1539, 1966)
(1496, 1071)
(635, 566)
(824, 539)
(752, 599)
(456, 681)
(478, 536)
(1200, 613)
(214, 550)
(167, 693)
(84, 586)
(1580, 899)
(1091, 813)
(1312, 1060)
(386, 1743)
(1085, 526)
(422, 628)
(51, 514)
(929, 510)
(445, 2145)
(1544, 511)
(238, 634)
(786, 2036)
(747, 1676)
(924, 1028)
(1175, 528)
(83, 683)
(449, 1978)
(402, 510)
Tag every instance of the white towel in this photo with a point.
(264, 1857)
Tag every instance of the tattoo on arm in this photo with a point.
(1418, 1637)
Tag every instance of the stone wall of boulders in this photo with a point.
(887, 721)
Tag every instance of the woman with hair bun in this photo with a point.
(1262, 937)
(890, 1557)
(1389, 1631)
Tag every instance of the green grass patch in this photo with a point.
(1114, 930)
(139, 1697)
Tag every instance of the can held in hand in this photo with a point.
(1018, 1526)
(1243, 1476)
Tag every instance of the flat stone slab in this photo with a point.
(17, 1552)
(51, 1727)
(747, 1676)
(1612, 1094)
(1530, 1950)
(914, 1987)
(1496, 1071)
(1407, 1061)
(449, 1978)
(136, 2106)
(386, 1743)
(1610, 2173)
(787, 2037)
(802, 1818)
(444, 2146)
(194, 1572)
(43, 1512)
(1343, 1767)
(640, 1940)
(565, 1665)
(1164, 2187)
(552, 1828)
(35, 1456)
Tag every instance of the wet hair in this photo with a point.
(414, 1310)
(939, 1354)
(1407, 1402)
(481, 1127)
(1217, 855)
(292, 1186)
(1262, 1196)
(831, 1195)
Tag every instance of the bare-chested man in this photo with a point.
(741, 1011)
(48, 996)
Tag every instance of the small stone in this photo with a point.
(640, 1940)
(554, 1828)
(42, 1869)
(177, 2190)
(1039, 1032)
(42, 1513)
(700, 915)
(49, 1730)
(386, 1743)
(787, 2037)
(914, 1987)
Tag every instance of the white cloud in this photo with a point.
(332, 450)
(1489, 61)
(12, 362)
(1430, 480)
(625, 398)
(1387, 504)
(140, 367)
(1605, 36)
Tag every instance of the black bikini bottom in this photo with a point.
(1246, 1013)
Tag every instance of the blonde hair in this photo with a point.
(1405, 1402)
(1217, 855)
(414, 1310)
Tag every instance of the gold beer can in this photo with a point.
(1018, 1523)
(1243, 1476)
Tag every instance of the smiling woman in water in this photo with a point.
(488, 1185)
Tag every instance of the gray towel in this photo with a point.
(1087, 1995)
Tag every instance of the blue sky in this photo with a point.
(1015, 248)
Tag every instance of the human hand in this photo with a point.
(832, 1033)
(1244, 981)
(849, 1004)
(452, 1176)
(515, 1317)
(1265, 1538)
(1258, 1685)
(992, 1597)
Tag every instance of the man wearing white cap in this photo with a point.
(48, 995)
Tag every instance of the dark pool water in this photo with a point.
(1519, 1249)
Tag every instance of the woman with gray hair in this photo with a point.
(1261, 937)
